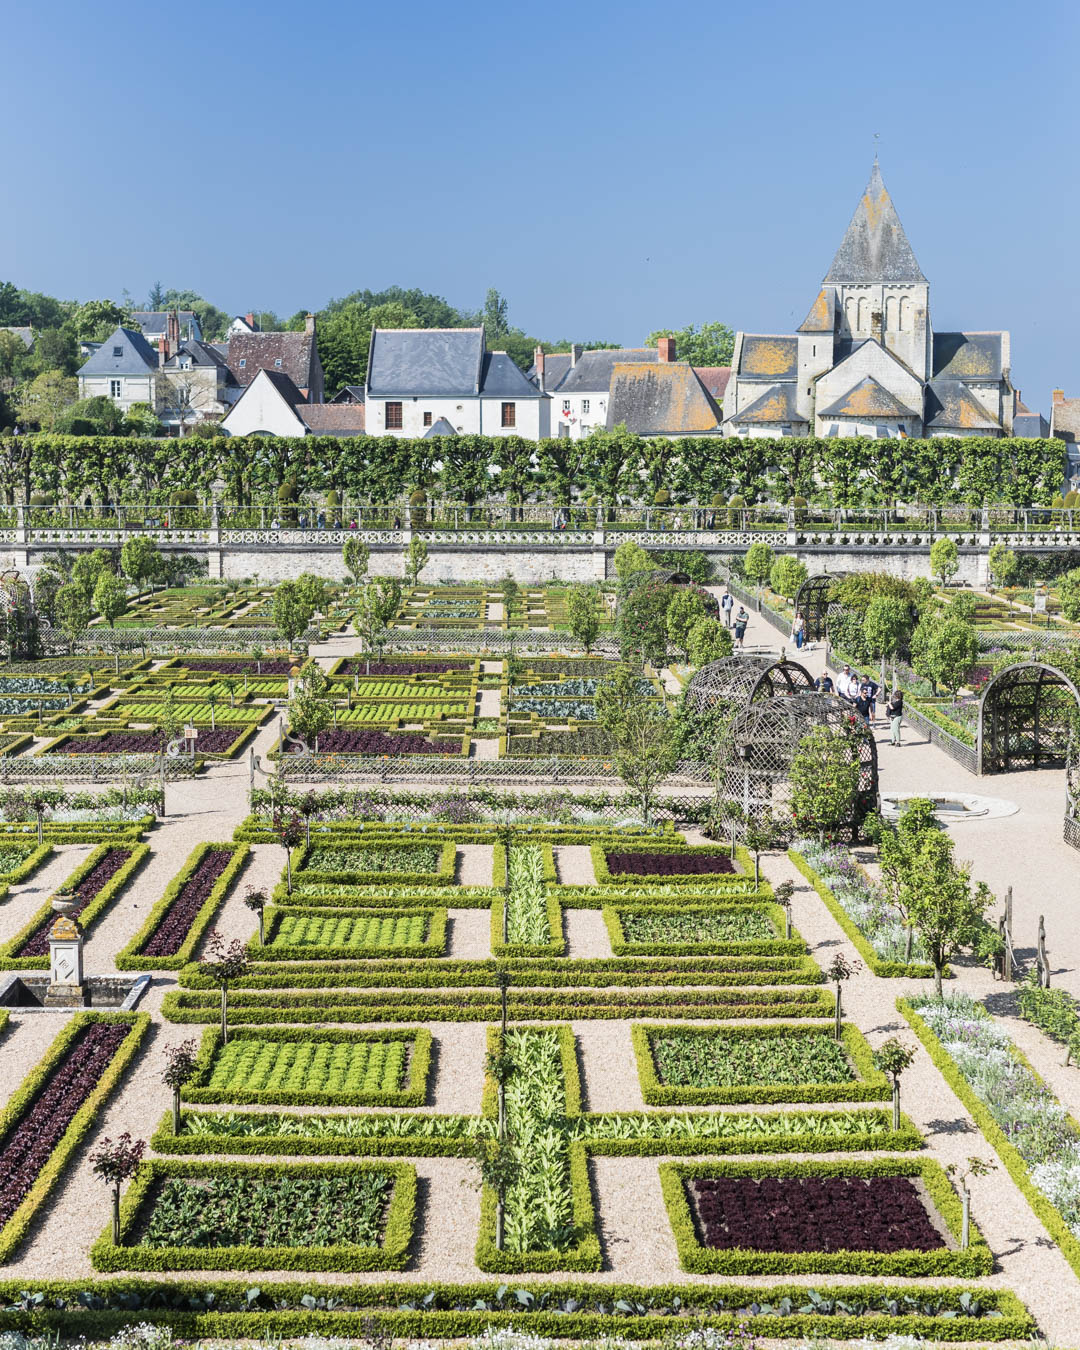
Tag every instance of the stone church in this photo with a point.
(866, 360)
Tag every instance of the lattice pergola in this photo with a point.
(812, 602)
(1028, 715)
(753, 763)
(19, 616)
(739, 680)
(666, 576)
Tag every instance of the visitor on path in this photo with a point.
(863, 704)
(895, 712)
(798, 631)
(824, 683)
(727, 604)
(870, 686)
(844, 682)
(741, 620)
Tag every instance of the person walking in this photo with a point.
(727, 604)
(862, 704)
(871, 686)
(741, 620)
(894, 710)
(798, 631)
(824, 683)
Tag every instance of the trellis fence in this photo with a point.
(137, 769)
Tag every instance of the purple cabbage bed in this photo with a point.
(94, 882)
(668, 864)
(168, 937)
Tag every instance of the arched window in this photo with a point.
(864, 313)
(892, 313)
(849, 312)
(905, 313)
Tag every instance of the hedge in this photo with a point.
(696, 1258)
(413, 1094)
(916, 970)
(130, 958)
(12, 1233)
(737, 890)
(89, 916)
(870, 1086)
(433, 945)
(391, 1254)
(1047, 1213)
(622, 946)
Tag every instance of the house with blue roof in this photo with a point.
(421, 377)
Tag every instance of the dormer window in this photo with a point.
(118, 351)
(277, 363)
(243, 362)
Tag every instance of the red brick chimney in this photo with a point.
(162, 351)
(538, 365)
(172, 329)
(1059, 395)
(309, 323)
(250, 320)
(665, 349)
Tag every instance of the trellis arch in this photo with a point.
(739, 680)
(812, 602)
(753, 763)
(1028, 715)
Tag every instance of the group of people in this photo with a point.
(742, 618)
(862, 691)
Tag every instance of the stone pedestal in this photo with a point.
(66, 984)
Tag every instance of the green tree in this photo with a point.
(611, 460)
(72, 611)
(291, 613)
(758, 563)
(630, 557)
(786, 575)
(1003, 564)
(954, 649)
(583, 613)
(894, 1058)
(886, 627)
(708, 640)
(314, 592)
(1068, 588)
(824, 779)
(96, 319)
(641, 623)
(379, 602)
(310, 712)
(685, 609)
(141, 420)
(944, 559)
(139, 559)
(496, 316)
(945, 909)
(713, 344)
(897, 845)
(416, 556)
(110, 597)
(44, 398)
(88, 568)
(646, 743)
(356, 556)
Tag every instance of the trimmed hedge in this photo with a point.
(12, 1233)
(699, 1259)
(89, 916)
(391, 1254)
(130, 958)
(413, 1094)
(433, 945)
(1046, 1212)
(916, 970)
(870, 1086)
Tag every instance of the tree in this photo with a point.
(309, 709)
(115, 1163)
(630, 557)
(897, 845)
(824, 779)
(379, 602)
(356, 555)
(583, 613)
(255, 901)
(886, 627)
(96, 319)
(88, 568)
(224, 963)
(291, 613)
(761, 834)
(184, 399)
(713, 344)
(944, 559)
(500, 1169)
(416, 556)
(511, 595)
(758, 562)
(1003, 564)
(786, 575)
(110, 597)
(180, 1063)
(314, 592)
(708, 640)
(893, 1058)
(645, 738)
(954, 648)
(641, 623)
(944, 908)
(140, 559)
(1069, 594)
(840, 970)
(976, 1167)
(45, 397)
(685, 609)
(72, 611)
(496, 316)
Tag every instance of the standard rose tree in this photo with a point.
(180, 1061)
(255, 901)
(893, 1058)
(116, 1163)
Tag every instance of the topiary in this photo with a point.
(185, 498)
(40, 499)
(663, 497)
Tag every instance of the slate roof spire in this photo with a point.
(875, 248)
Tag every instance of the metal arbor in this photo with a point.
(739, 680)
(813, 603)
(1028, 715)
(18, 617)
(753, 763)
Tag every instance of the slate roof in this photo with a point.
(1029, 424)
(822, 316)
(556, 366)
(868, 398)
(503, 379)
(25, 335)
(776, 404)
(332, 419)
(284, 385)
(202, 354)
(447, 362)
(351, 393)
(967, 356)
(154, 322)
(875, 247)
(260, 351)
(592, 374)
(950, 405)
(768, 356)
(715, 379)
(136, 356)
(440, 428)
(664, 398)
(1065, 419)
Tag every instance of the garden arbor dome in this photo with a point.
(813, 603)
(1028, 715)
(738, 680)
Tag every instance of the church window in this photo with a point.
(863, 312)
(905, 312)
(849, 311)
(891, 312)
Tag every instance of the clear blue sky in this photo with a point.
(610, 168)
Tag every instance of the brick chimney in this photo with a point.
(162, 351)
(250, 317)
(538, 366)
(172, 329)
(1059, 395)
(309, 323)
(575, 354)
(665, 350)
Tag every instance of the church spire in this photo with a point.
(875, 248)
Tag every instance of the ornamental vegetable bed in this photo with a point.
(406, 858)
(339, 741)
(686, 1059)
(669, 864)
(306, 933)
(103, 869)
(216, 741)
(175, 924)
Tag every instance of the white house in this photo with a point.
(123, 368)
(272, 405)
(579, 384)
(417, 376)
